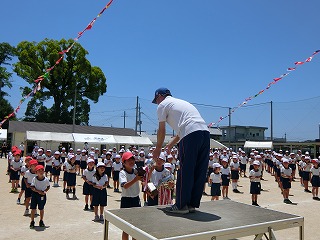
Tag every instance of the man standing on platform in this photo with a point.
(194, 145)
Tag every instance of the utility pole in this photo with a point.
(140, 122)
(124, 119)
(137, 109)
(271, 121)
(229, 132)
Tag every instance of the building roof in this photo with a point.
(238, 126)
(215, 131)
(20, 126)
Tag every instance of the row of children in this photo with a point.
(225, 165)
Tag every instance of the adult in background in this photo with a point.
(4, 148)
(194, 145)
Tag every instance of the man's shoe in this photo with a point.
(101, 218)
(175, 210)
(307, 190)
(18, 201)
(86, 208)
(191, 209)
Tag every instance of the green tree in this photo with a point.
(6, 54)
(74, 74)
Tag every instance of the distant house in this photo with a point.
(237, 133)
(215, 133)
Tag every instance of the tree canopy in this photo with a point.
(74, 74)
(6, 54)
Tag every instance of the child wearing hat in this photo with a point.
(99, 195)
(56, 168)
(306, 166)
(235, 168)
(41, 157)
(83, 160)
(48, 161)
(225, 176)
(286, 178)
(158, 173)
(23, 171)
(315, 181)
(88, 183)
(108, 162)
(15, 168)
(40, 186)
(215, 182)
(116, 168)
(255, 186)
(28, 177)
(72, 176)
(129, 182)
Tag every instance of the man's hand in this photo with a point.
(156, 153)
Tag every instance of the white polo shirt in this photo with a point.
(182, 116)
(40, 185)
(132, 191)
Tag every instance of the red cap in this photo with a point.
(126, 156)
(17, 152)
(28, 158)
(39, 167)
(33, 162)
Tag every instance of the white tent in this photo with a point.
(125, 140)
(94, 138)
(261, 145)
(142, 141)
(49, 136)
(3, 134)
(216, 144)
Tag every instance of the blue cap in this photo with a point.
(161, 91)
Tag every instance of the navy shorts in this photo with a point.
(286, 184)
(56, 171)
(14, 175)
(71, 179)
(130, 202)
(41, 163)
(83, 164)
(116, 175)
(87, 189)
(38, 200)
(255, 188)
(48, 169)
(243, 167)
(306, 176)
(234, 174)
(225, 180)
(65, 176)
(99, 197)
(23, 184)
(215, 189)
(315, 181)
(108, 171)
(293, 166)
(28, 192)
(63, 159)
(77, 162)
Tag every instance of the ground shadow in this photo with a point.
(40, 229)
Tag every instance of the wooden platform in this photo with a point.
(223, 219)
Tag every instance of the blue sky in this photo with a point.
(209, 52)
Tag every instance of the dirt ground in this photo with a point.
(66, 219)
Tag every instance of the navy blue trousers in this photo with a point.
(194, 157)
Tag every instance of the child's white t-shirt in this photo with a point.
(102, 180)
(215, 177)
(132, 191)
(117, 166)
(89, 174)
(40, 185)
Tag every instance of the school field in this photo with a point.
(65, 219)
